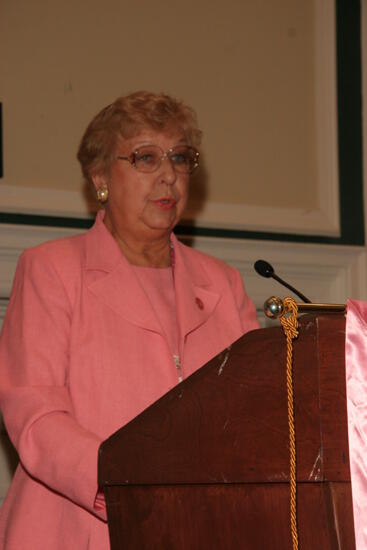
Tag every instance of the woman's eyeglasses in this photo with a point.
(148, 158)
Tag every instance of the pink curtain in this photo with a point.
(356, 381)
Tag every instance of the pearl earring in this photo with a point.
(102, 194)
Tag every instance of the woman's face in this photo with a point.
(145, 205)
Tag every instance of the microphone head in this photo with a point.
(263, 268)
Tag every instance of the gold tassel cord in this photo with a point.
(290, 327)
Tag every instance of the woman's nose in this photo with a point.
(168, 173)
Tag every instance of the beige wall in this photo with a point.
(246, 66)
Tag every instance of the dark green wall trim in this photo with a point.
(350, 121)
(181, 230)
(259, 235)
(349, 88)
(44, 221)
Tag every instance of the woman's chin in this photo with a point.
(162, 223)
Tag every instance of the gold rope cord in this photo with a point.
(290, 327)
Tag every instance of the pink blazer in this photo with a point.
(81, 354)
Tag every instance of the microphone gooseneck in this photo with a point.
(265, 269)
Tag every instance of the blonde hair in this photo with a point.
(126, 117)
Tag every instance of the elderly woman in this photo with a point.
(100, 325)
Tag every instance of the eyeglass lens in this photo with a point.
(183, 158)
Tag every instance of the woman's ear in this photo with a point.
(98, 180)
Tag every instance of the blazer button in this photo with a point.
(199, 303)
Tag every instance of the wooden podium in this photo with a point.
(207, 465)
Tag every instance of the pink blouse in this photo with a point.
(158, 284)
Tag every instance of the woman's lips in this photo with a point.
(165, 203)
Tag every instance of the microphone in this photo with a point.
(264, 269)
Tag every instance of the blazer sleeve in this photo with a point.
(246, 307)
(34, 396)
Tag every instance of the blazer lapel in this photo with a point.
(112, 280)
(195, 299)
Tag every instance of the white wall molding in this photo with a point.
(323, 220)
(44, 202)
(14, 239)
(325, 272)
(326, 111)
(296, 221)
(329, 273)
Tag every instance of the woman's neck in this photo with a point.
(141, 248)
(150, 254)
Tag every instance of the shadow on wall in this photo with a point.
(89, 196)
(198, 195)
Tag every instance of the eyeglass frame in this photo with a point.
(131, 158)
